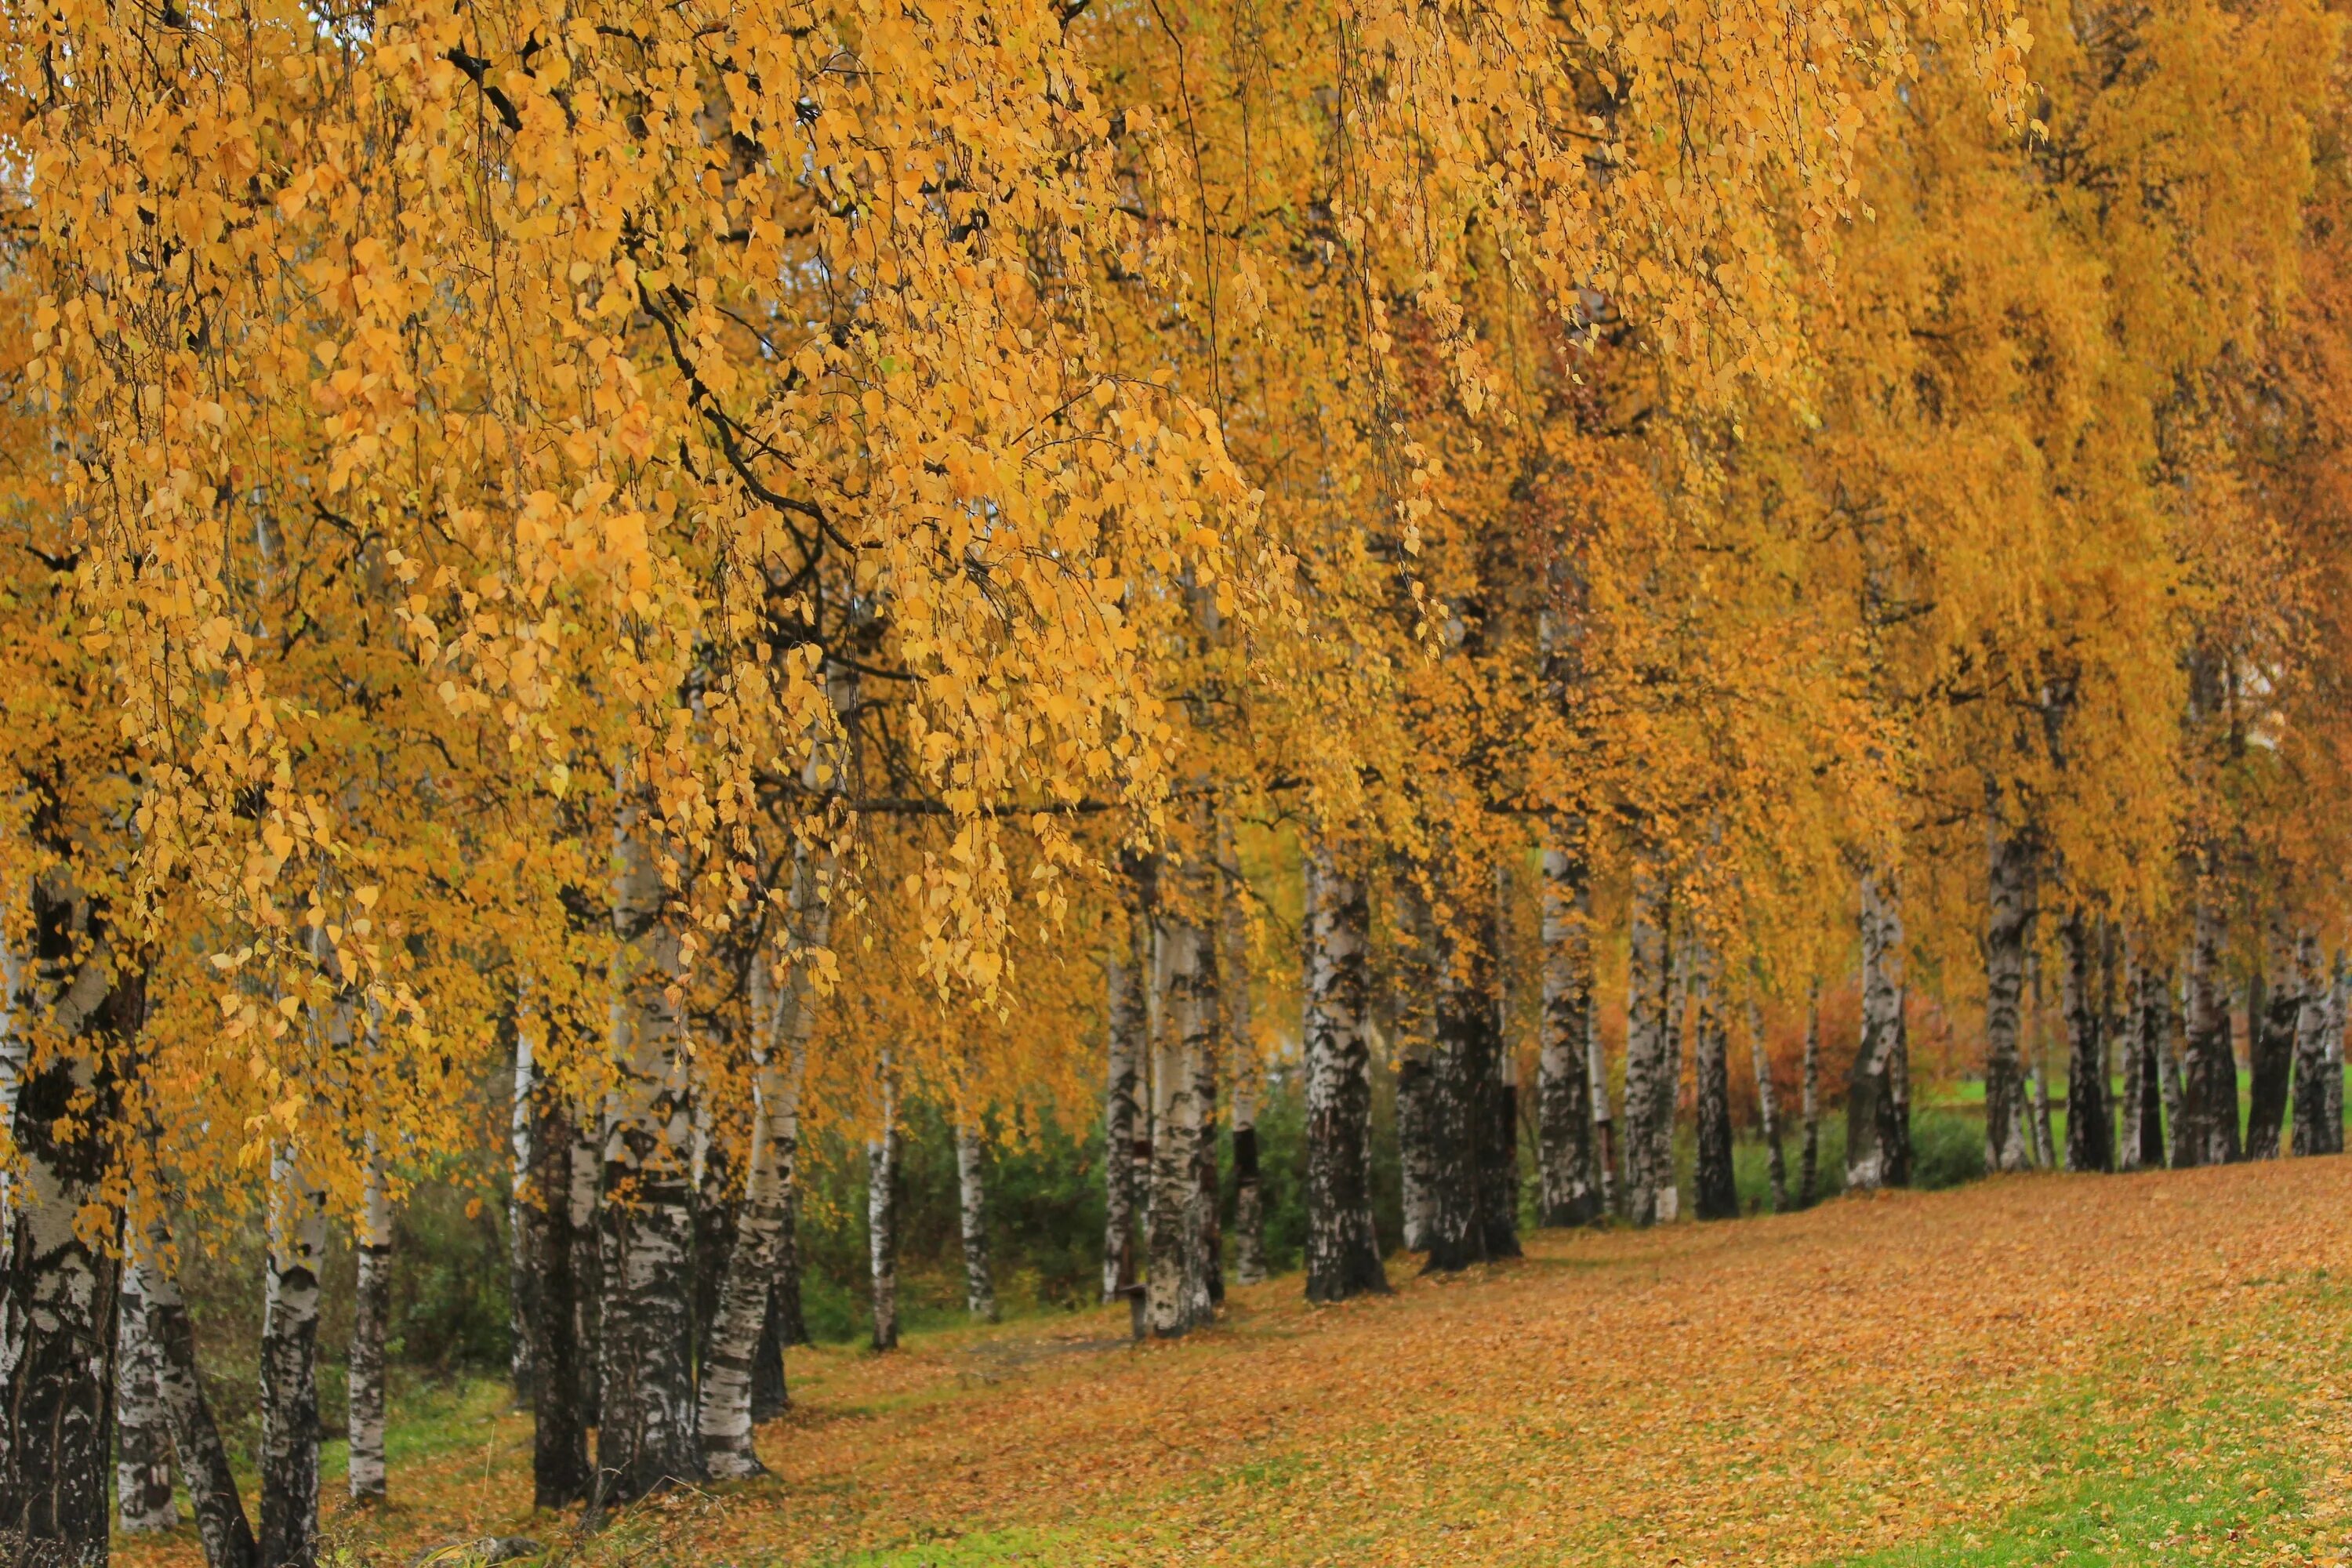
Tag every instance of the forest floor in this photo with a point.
(2146, 1369)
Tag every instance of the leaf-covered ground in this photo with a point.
(2146, 1369)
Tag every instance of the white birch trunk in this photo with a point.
(203, 1463)
(142, 1429)
(1564, 1103)
(289, 1357)
(1413, 1012)
(1343, 1256)
(1174, 1297)
(522, 1266)
(371, 1315)
(972, 1190)
(647, 1438)
(882, 1211)
(1870, 1093)
(783, 1019)
(1604, 1152)
(1809, 1159)
(2310, 1098)
(1127, 1133)
(1768, 1110)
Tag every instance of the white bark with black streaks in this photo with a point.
(371, 1316)
(971, 1193)
(1343, 1256)
(142, 1429)
(288, 1537)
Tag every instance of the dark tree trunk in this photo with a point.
(2151, 1038)
(1809, 1159)
(2009, 926)
(1127, 1132)
(1414, 1012)
(1565, 1163)
(1473, 1221)
(586, 1229)
(58, 1294)
(1649, 1100)
(221, 1524)
(1715, 1195)
(2269, 1042)
(559, 1459)
(1343, 1256)
(2311, 1067)
(715, 1221)
(1605, 1149)
(2086, 1089)
(2208, 1108)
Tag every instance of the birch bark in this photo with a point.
(371, 1315)
(1343, 1256)
(2086, 1089)
(1126, 1140)
(142, 1430)
(2310, 1050)
(2009, 926)
(1767, 1110)
(1870, 1107)
(2209, 1069)
(1564, 1100)
(1649, 1088)
(646, 1439)
(978, 1284)
(783, 1019)
(882, 1209)
(1809, 1159)
(58, 1294)
(2271, 1040)
(221, 1524)
(288, 1536)
(1715, 1195)
(1413, 1008)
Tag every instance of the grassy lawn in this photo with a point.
(2038, 1370)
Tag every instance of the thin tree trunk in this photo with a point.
(2086, 1089)
(2151, 1042)
(142, 1430)
(1171, 1301)
(1414, 1012)
(526, 1224)
(1715, 1195)
(2310, 1092)
(646, 1439)
(2045, 1153)
(1202, 1009)
(783, 1019)
(1497, 1093)
(1767, 1110)
(59, 1293)
(1649, 1088)
(2339, 1002)
(2129, 1152)
(288, 1536)
(1564, 1100)
(2172, 1049)
(1670, 1194)
(559, 1460)
(221, 1524)
(978, 1285)
(1809, 1159)
(2209, 1070)
(2008, 929)
(1343, 1258)
(1872, 1161)
(1248, 1072)
(2270, 1041)
(586, 1230)
(371, 1313)
(1126, 1132)
(882, 1213)
(1604, 1149)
